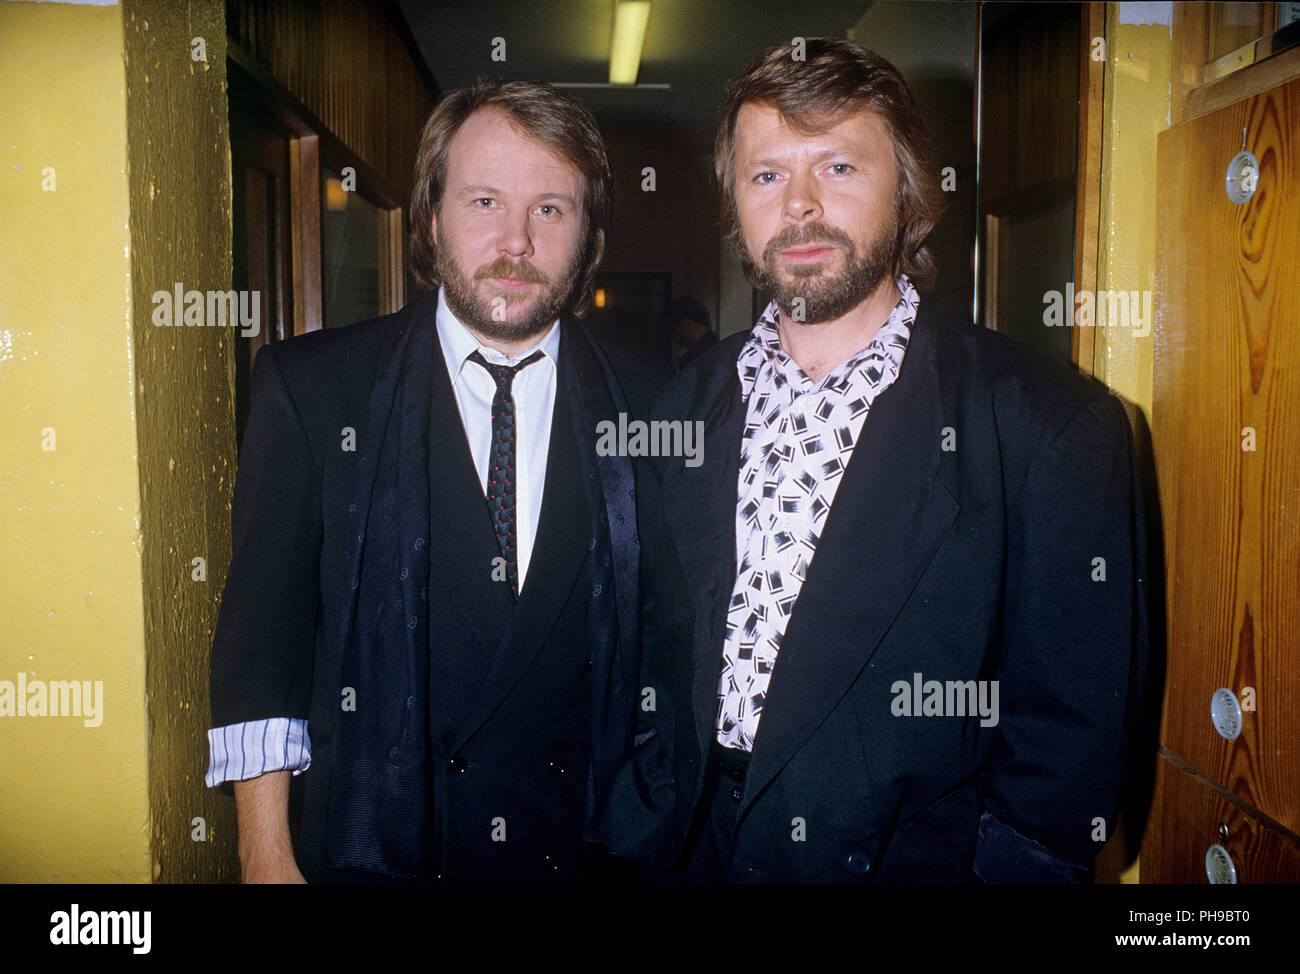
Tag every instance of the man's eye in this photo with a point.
(841, 168)
(765, 178)
(546, 209)
(483, 202)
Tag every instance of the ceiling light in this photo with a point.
(630, 19)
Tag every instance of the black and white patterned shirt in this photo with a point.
(798, 438)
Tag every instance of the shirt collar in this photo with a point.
(458, 344)
(763, 349)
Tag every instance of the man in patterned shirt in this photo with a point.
(894, 623)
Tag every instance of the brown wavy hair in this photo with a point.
(555, 119)
(836, 78)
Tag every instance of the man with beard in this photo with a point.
(431, 606)
(894, 628)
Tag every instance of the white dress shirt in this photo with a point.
(533, 391)
(241, 751)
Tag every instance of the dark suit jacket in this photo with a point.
(972, 563)
(512, 703)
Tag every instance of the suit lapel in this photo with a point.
(700, 503)
(889, 516)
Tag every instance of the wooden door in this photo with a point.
(1226, 432)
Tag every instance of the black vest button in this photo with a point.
(857, 862)
(457, 766)
(558, 768)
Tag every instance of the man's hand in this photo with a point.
(265, 850)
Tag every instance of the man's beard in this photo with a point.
(475, 310)
(825, 299)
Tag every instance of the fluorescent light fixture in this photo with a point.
(630, 19)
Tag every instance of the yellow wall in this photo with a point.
(73, 799)
(1136, 110)
(98, 532)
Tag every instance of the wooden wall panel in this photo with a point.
(1227, 358)
(1230, 25)
(1184, 824)
(1030, 92)
(348, 64)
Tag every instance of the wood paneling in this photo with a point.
(1227, 357)
(349, 65)
(1185, 821)
(1230, 25)
(392, 280)
(1030, 86)
(304, 178)
(1215, 62)
(1030, 73)
(1241, 84)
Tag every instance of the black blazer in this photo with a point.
(970, 563)
(277, 646)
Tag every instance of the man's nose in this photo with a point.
(515, 240)
(800, 202)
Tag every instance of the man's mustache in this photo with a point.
(520, 270)
(803, 235)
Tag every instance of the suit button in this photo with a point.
(558, 768)
(587, 669)
(857, 862)
(736, 792)
(457, 766)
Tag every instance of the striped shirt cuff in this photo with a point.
(238, 752)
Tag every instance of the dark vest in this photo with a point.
(510, 680)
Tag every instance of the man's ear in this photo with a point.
(599, 253)
(433, 226)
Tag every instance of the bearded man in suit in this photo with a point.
(430, 612)
(894, 622)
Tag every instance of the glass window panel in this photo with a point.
(350, 244)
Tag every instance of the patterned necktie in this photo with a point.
(501, 461)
